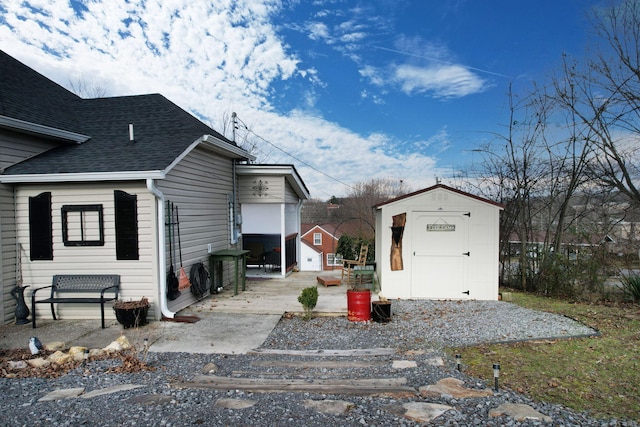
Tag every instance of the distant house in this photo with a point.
(438, 243)
(311, 258)
(322, 243)
(114, 186)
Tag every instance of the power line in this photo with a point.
(431, 58)
(289, 154)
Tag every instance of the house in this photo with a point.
(311, 257)
(321, 242)
(438, 243)
(126, 185)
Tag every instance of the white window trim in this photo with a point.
(334, 257)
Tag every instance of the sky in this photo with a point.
(346, 91)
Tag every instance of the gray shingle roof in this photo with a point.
(162, 130)
(29, 96)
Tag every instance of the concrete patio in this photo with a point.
(274, 294)
(228, 323)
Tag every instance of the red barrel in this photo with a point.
(359, 305)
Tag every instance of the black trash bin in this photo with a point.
(381, 311)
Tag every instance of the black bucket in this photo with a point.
(381, 311)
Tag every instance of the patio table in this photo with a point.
(215, 266)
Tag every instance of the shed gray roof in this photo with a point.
(162, 130)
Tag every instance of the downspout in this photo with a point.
(162, 268)
(283, 240)
(299, 238)
(235, 232)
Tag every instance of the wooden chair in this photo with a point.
(348, 265)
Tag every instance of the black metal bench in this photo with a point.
(78, 283)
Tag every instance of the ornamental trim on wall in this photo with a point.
(260, 188)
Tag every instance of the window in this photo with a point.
(317, 239)
(40, 227)
(126, 212)
(82, 225)
(334, 259)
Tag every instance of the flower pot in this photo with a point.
(381, 311)
(131, 314)
(359, 305)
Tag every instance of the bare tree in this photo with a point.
(358, 206)
(87, 88)
(571, 157)
(604, 96)
(521, 172)
(315, 211)
(568, 151)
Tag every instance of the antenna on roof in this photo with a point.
(131, 138)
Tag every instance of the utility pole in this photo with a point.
(234, 126)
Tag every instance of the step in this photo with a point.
(368, 386)
(356, 352)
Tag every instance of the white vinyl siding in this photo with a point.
(7, 252)
(14, 148)
(199, 186)
(262, 189)
(290, 195)
(138, 277)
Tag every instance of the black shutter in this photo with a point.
(126, 207)
(40, 227)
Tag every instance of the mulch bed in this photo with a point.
(130, 364)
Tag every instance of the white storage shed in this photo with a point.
(438, 243)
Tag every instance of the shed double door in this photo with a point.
(440, 255)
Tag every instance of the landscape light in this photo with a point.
(459, 362)
(496, 375)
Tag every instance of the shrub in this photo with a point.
(630, 284)
(308, 298)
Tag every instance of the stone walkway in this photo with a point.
(298, 375)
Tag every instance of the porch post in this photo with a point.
(283, 251)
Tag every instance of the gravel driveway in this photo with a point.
(417, 333)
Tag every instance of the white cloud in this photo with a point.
(318, 31)
(435, 80)
(211, 58)
(229, 52)
(375, 75)
(442, 81)
(438, 143)
(337, 152)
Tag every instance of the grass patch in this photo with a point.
(600, 375)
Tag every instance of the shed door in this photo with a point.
(440, 255)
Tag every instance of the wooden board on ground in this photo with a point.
(366, 386)
(329, 364)
(356, 352)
